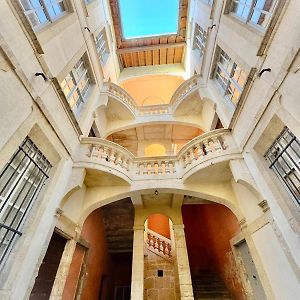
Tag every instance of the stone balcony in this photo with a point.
(209, 148)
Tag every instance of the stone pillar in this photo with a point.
(137, 277)
(63, 270)
(184, 274)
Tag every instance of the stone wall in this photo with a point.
(162, 288)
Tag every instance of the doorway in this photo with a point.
(44, 281)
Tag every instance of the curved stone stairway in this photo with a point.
(209, 286)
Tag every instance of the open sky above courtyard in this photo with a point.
(143, 18)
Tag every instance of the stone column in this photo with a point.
(137, 277)
(63, 270)
(183, 267)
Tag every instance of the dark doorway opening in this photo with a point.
(48, 269)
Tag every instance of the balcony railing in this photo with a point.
(185, 89)
(112, 156)
(158, 244)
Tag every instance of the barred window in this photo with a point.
(200, 39)
(256, 12)
(284, 159)
(102, 47)
(230, 77)
(41, 12)
(76, 85)
(21, 181)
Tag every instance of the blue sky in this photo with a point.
(148, 17)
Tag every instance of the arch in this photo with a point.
(183, 191)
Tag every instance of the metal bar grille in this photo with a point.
(284, 159)
(20, 183)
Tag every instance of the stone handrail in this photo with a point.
(158, 244)
(107, 153)
(121, 95)
(160, 109)
(206, 146)
(184, 89)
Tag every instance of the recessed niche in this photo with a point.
(160, 273)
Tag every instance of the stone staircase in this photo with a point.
(209, 286)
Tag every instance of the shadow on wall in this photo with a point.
(208, 229)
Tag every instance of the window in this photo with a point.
(256, 12)
(102, 47)
(209, 2)
(200, 39)
(76, 85)
(21, 181)
(41, 12)
(230, 77)
(284, 159)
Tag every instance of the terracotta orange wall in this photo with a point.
(209, 229)
(160, 224)
(152, 89)
(74, 273)
(98, 261)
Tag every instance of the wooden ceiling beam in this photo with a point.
(150, 48)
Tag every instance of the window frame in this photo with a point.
(279, 152)
(76, 81)
(44, 6)
(229, 77)
(104, 55)
(199, 41)
(252, 9)
(27, 160)
(208, 2)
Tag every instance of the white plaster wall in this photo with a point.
(284, 281)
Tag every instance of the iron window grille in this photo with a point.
(284, 159)
(76, 85)
(200, 37)
(42, 12)
(102, 47)
(230, 77)
(255, 12)
(21, 181)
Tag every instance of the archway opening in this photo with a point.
(103, 271)
(160, 273)
(213, 256)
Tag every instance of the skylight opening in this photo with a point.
(146, 18)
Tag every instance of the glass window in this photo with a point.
(284, 159)
(200, 37)
(76, 85)
(256, 12)
(40, 12)
(102, 46)
(209, 2)
(21, 181)
(230, 77)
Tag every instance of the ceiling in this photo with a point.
(161, 133)
(149, 51)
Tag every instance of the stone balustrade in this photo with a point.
(158, 244)
(183, 90)
(121, 95)
(107, 153)
(209, 145)
(161, 109)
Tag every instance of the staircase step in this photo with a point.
(209, 286)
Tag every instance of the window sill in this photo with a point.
(246, 26)
(51, 30)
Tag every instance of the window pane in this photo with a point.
(20, 183)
